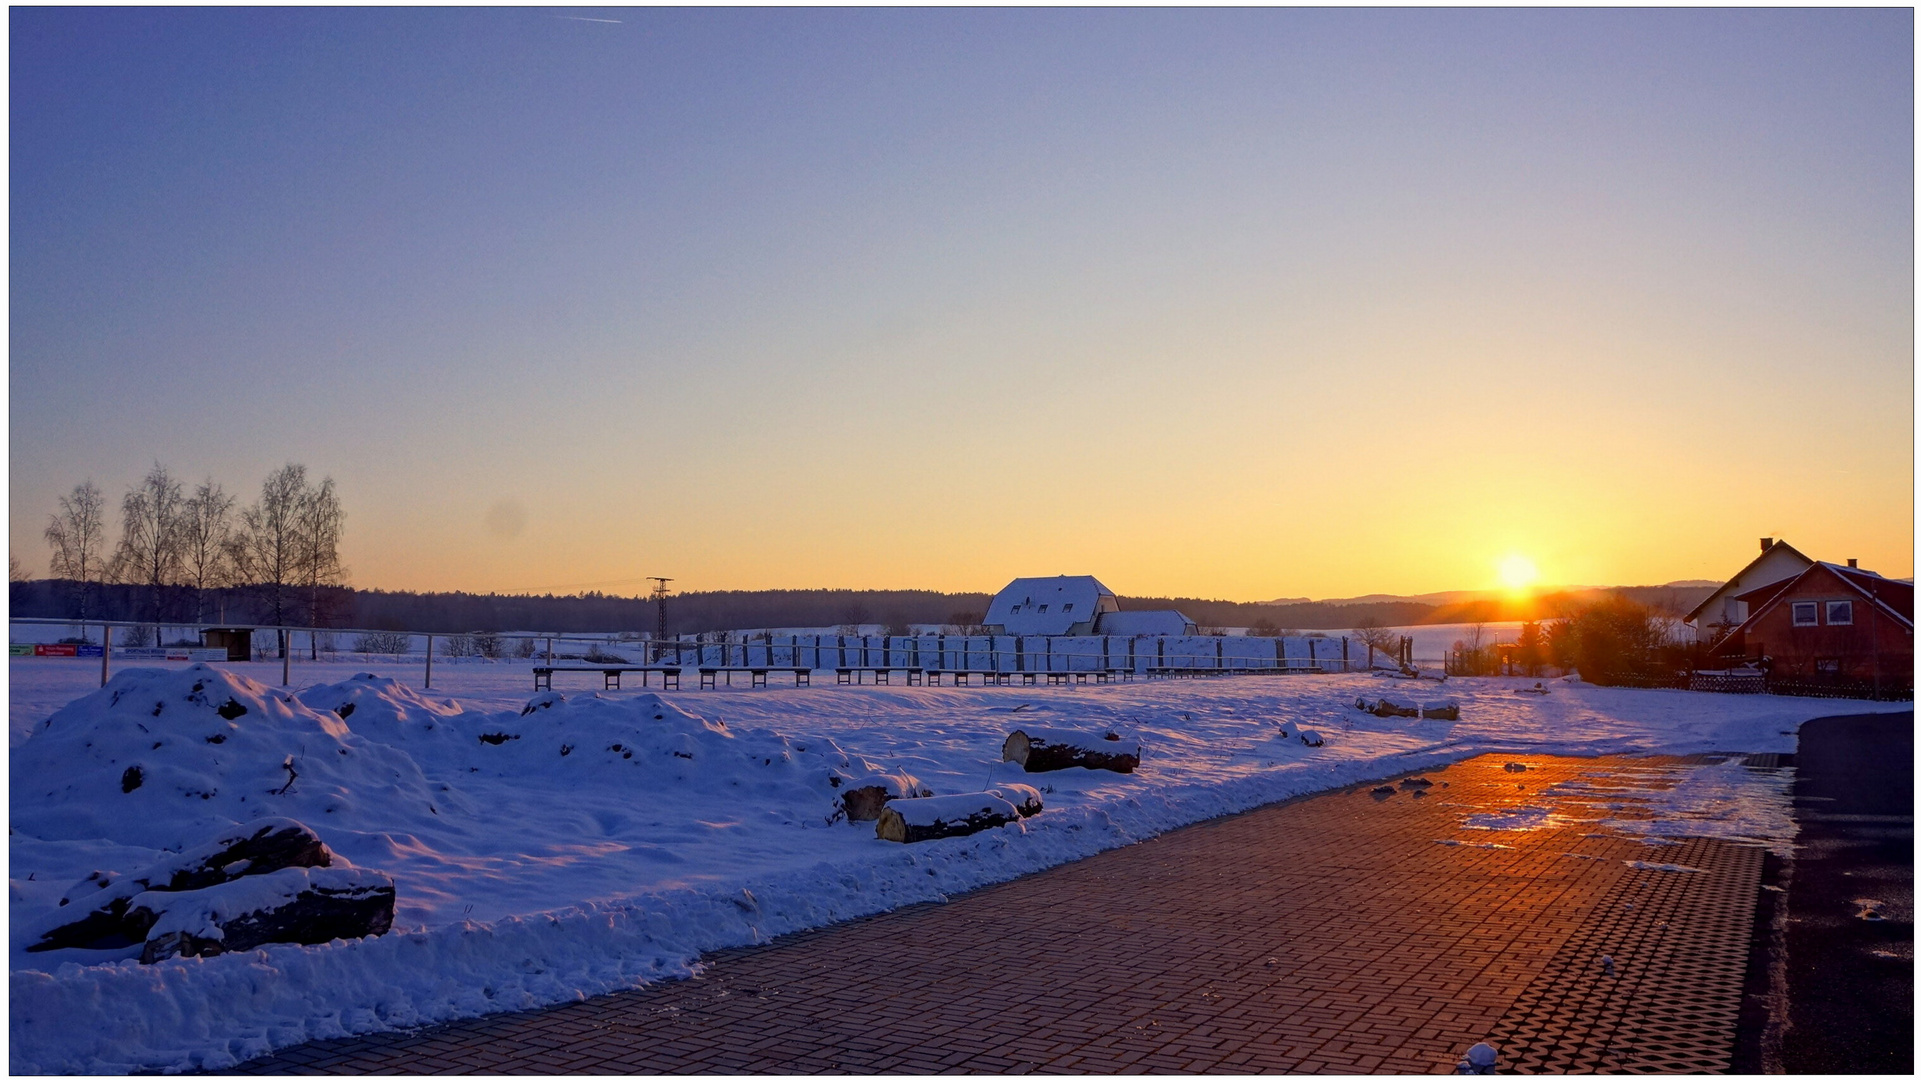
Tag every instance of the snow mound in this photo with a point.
(379, 708)
(166, 758)
(649, 746)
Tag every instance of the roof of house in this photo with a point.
(1894, 598)
(1718, 594)
(1047, 605)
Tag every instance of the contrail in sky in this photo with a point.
(579, 18)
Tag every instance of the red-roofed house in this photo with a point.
(1830, 623)
(1724, 610)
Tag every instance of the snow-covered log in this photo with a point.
(863, 797)
(1384, 707)
(299, 905)
(1047, 749)
(909, 821)
(1441, 710)
(1026, 799)
(258, 847)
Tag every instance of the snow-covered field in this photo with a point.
(548, 847)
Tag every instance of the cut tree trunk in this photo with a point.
(909, 821)
(1027, 800)
(1045, 750)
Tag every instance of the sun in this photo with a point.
(1517, 572)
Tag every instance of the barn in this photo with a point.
(1052, 607)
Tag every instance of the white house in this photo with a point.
(1778, 561)
(1050, 606)
(1148, 623)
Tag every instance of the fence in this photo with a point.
(984, 654)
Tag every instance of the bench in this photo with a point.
(669, 675)
(851, 676)
(756, 676)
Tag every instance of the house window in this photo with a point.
(1829, 667)
(1807, 613)
(1840, 613)
(1043, 609)
(1070, 607)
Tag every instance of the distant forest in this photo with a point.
(705, 612)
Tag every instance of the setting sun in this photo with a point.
(1517, 571)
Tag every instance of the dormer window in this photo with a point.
(1067, 607)
(1807, 613)
(1840, 613)
(1043, 609)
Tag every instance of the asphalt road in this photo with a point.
(1849, 942)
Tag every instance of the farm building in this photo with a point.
(1053, 607)
(1145, 624)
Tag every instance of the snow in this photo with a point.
(605, 840)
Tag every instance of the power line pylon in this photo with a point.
(660, 612)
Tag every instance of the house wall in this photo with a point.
(1778, 563)
(1875, 648)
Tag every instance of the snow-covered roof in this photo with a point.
(1144, 622)
(1050, 605)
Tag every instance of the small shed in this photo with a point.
(237, 640)
(1051, 607)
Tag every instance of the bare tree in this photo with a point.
(149, 551)
(75, 534)
(206, 537)
(1378, 638)
(15, 571)
(320, 519)
(269, 548)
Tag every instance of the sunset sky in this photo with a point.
(1228, 303)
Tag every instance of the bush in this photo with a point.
(382, 642)
(1616, 640)
(489, 644)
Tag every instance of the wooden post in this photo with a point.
(428, 682)
(1343, 652)
(286, 658)
(1220, 653)
(1311, 660)
(106, 650)
(1020, 652)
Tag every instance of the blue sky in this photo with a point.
(1240, 303)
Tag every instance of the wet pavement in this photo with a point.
(1363, 930)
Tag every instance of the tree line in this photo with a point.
(184, 554)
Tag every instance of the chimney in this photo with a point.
(1854, 564)
(1766, 543)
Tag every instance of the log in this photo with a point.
(909, 821)
(1047, 749)
(299, 905)
(258, 847)
(1384, 707)
(1441, 710)
(1027, 800)
(863, 797)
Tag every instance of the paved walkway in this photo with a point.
(1350, 932)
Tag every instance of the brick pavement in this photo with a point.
(1343, 933)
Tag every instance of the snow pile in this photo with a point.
(166, 759)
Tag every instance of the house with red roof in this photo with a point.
(1724, 609)
(1829, 623)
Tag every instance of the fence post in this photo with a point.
(428, 682)
(1312, 660)
(1220, 653)
(106, 650)
(1020, 652)
(1343, 652)
(286, 659)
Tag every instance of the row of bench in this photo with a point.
(916, 676)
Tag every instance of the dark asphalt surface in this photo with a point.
(1849, 943)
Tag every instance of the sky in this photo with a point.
(1224, 303)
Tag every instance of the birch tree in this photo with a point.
(269, 544)
(76, 534)
(318, 557)
(149, 551)
(206, 538)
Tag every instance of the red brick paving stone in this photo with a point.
(1331, 933)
